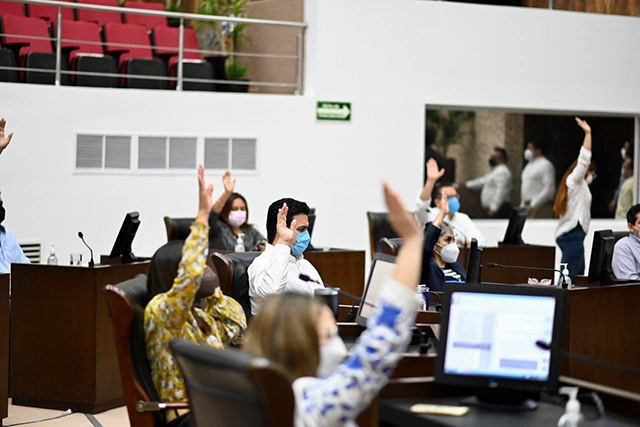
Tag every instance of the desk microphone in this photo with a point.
(518, 267)
(81, 236)
(351, 315)
(543, 345)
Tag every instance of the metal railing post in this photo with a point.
(59, 47)
(180, 54)
(299, 61)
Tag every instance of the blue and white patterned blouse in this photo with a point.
(338, 399)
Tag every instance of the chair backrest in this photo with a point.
(146, 21)
(11, 8)
(177, 228)
(127, 35)
(617, 235)
(76, 33)
(230, 388)
(126, 303)
(391, 246)
(98, 16)
(233, 276)
(49, 13)
(167, 39)
(23, 26)
(379, 227)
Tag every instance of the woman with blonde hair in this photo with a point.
(573, 206)
(300, 334)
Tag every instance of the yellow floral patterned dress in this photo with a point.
(168, 316)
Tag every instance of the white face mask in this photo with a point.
(638, 230)
(332, 354)
(590, 179)
(449, 253)
(237, 218)
(528, 155)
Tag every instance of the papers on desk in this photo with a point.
(454, 411)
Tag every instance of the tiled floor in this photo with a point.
(20, 414)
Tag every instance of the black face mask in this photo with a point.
(2, 212)
(492, 162)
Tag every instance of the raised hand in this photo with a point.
(443, 203)
(204, 192)
(433, 172)
(229, 184)
(584, 125)
(4, 140)
(285, 235)
(402, 221)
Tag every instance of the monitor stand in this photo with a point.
(504, 400)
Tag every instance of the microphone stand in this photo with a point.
(562, 283)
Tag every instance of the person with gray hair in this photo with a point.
(440, 253)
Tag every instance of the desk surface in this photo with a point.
(397, 412)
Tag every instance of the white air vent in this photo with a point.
(33, 251)
(152, 152)
(243, 154)
(118, 152)
(182, 153)
(89, 151)
(216, 153)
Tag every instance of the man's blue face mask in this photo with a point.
(302, 243)
(454, 205)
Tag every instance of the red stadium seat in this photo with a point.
(83, 43)
(147, 21)
(97, 16)
(136, 59)
(50, 13)
(11, 8)
(166, 41)
(32, 53)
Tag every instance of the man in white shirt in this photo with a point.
(626, 254)
(279, 267)
(496, 186)
(463, 227)
(538, 186)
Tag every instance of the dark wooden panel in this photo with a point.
(604, 323)
(4, 346)
(528, 256)
(341, 268)
(62, 344)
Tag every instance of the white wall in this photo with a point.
(388, 57)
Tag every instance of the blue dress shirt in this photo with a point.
(10, 251)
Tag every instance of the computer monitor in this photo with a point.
(122, 246)
(474, 264)
(382, 269)
(488, 339)
(600, 269)
(513, 234)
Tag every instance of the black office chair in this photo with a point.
(617, 235)
(233, 276)
(177, 228)
(126, 303)
(379, 227)
(230, 388)
(391, 246)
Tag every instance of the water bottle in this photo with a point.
(565, 274)
(423, 297)
(240, 243)
(53, 259)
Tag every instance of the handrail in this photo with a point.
(300, 26)
(177, 15)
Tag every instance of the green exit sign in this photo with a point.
(340, 111)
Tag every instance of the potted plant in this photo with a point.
(225, 37)
(173, 6)
(444, 129)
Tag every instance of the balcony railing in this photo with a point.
(179, 79)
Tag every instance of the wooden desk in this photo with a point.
(342, 268)
(62, 349)
(528, 255)
(603, 322)
(4, 346)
